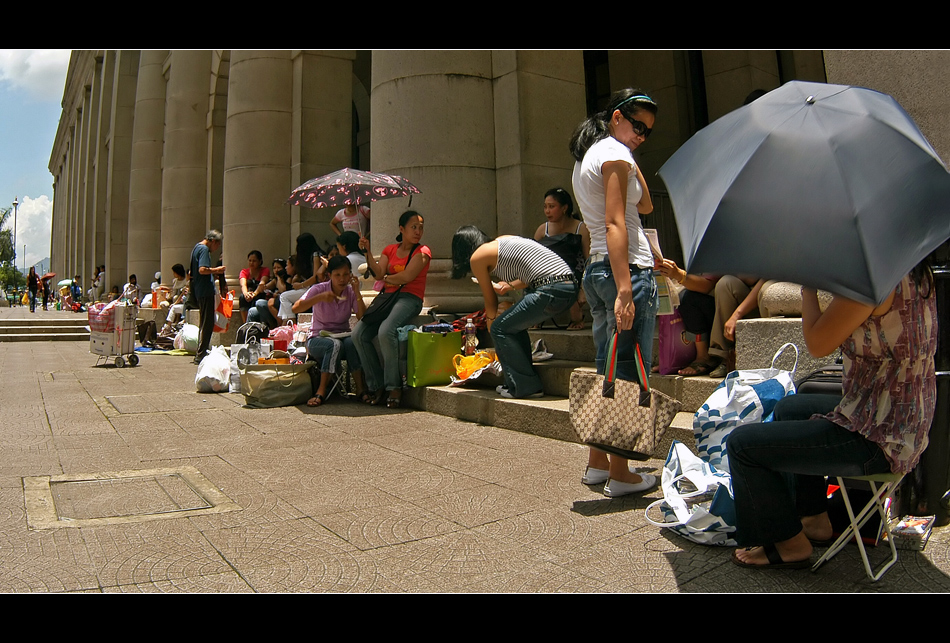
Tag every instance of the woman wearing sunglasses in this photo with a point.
(618, 280)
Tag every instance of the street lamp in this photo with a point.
(16, 202)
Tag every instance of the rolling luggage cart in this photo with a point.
(112, 334)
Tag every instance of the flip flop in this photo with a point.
(320, 399)
(393, 402)
(576, 325)
(365, 397)
(775, 560)
(699, 368)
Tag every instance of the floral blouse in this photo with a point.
(889, 379)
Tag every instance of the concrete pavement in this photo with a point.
(343, 498)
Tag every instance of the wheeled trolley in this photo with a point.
(112, 334)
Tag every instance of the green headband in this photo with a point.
(642, 97)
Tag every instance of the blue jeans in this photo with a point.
(386, 373)
(510, 333)
(327, 351)
(601, 294)
(761, 457)
(260, 313)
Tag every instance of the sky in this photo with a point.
(31, 91)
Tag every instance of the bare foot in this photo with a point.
(792, 550)
(817, 528)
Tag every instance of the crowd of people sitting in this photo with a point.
(602, 258)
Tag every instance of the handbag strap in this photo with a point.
(610, 371)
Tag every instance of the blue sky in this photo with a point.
(31, 89)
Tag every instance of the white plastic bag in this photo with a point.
(214, 372)
(744, 397)
(697, 499)
(187, 338)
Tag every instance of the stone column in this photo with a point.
(257, 157)
(539, 99)
(103, 155)
(433, 122)
(90, 172)
(322, 129)
(184, 178)
(918, 80)
(144, 241)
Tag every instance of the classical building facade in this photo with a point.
(156, 147)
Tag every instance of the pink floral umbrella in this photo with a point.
(351, 187)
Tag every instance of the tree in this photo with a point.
(6, 237)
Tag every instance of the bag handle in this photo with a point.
(782, 350)
(610, 371)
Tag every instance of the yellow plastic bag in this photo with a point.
(467, 365)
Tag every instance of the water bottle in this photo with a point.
(471, 341)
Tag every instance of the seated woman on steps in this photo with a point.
(881, 425)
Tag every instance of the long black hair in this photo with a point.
(465, 242)
(922, 274)
(595, 127)
(306, 247)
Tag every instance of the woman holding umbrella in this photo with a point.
(403, 266)
(881, 425)
(618, 281)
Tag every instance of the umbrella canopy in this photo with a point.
(350, 187)
(48, 275)
(828, 186)
(65, 282)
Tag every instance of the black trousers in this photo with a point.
(206, 325)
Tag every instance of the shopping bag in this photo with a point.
(187, 338)
(482, 368)
(429, 358)
(697, 499)
(241, 356)
(744, 397)
(677, 347)
(102, 316)
(268, 386)
(618, 416)
(214, 372)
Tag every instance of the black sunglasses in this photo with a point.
(639, 127)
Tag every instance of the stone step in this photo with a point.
(41, 330)
(547, 417)
(44, 321)
(44, 337)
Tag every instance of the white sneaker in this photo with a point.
(539, 352)
(505, 393)
(595, 476)
(615, 488)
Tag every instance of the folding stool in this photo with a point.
(879, 494)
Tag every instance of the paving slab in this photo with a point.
(343, 498)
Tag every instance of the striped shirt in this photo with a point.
(527, 260)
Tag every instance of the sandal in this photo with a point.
(699, 368)
(393, 402)
(319, 399)
(576, 325)
(775, 560)
(720, 371)
(378, 398)
(365, 397)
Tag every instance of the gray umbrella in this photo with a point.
(828, 186)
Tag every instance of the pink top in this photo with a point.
(417, 286)
(889, 380)
(246, 274)
(331, 315)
